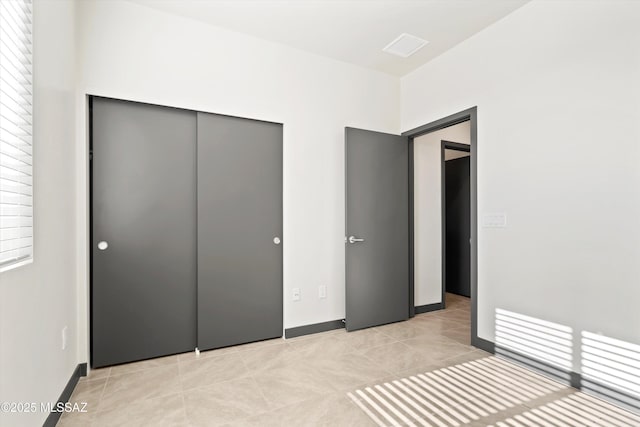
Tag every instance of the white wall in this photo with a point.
(427, 210)
(137, 53)
(39, 299)
(558, 94)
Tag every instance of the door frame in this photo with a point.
(470, 115)
(446, 145)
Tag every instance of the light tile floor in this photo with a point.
(324, 380)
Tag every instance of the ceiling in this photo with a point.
(353, 31)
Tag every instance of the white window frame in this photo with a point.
(16, 134)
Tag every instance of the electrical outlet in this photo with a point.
(64, 338)
(296, 294)
(322, 291)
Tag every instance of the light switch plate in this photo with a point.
(296, 294)
(494, 220)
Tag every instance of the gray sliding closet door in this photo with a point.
(377, 229)
(143, 231)
(239, 230)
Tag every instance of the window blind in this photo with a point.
(16, 183)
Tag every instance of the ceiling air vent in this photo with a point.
(405, 45)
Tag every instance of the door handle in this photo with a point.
(354, 239)
(103, 245)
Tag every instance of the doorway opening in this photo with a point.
(456, 219)
(428, 145)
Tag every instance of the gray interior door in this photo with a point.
(377, 228)
(143, 231)
(458, 226)
(239, 230)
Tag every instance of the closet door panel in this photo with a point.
(143, 231)
(239, 230)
